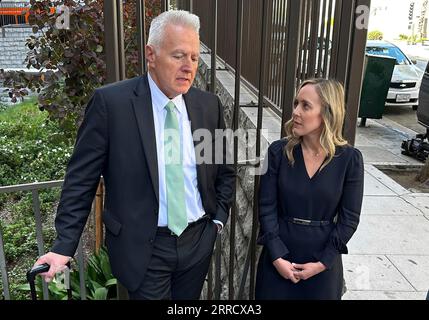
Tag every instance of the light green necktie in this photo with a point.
(174, 178)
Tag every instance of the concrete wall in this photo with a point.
(12, 46)
(13, 51)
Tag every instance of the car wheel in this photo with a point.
(415, 108)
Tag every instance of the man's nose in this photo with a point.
(187, 65)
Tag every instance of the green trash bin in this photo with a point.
(376, 82)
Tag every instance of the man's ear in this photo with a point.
(150, 53)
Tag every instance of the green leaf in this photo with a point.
(95, 284)
(100, 294)
(99, 49)
(25, 287)
(111, 282)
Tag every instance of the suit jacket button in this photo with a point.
(151, 241)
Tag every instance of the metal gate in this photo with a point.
(272, 45)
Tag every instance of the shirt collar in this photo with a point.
(160, 100)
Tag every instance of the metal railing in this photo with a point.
(274, 45)
(14, 4)
(12, 12)
(303, 39)
(278, 44)
(35, 188)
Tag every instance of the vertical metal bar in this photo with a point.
(213, 47)
(301, 39)
(323, 40)
(141, 35)
(218, 252)
(279, 77)
(218, 266)
(346, 31)
(191, 6)
(336, 38)
(122, 292)
(306, 40)
(81, 266)
(210, 281)
(314, 36)
(39, 234)
(274, 49)
(3, 270)
(244, 274)
(272, 57)
(356, 74)
(292, 54)
(258, 148)
(329, 43)
(165, 5)
(99, 197)
(238, 52)
(111, 40)
(120, 31)
(282, 65)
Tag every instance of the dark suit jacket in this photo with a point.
(117, 140)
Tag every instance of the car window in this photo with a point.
(389, 51)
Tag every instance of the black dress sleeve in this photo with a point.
(268, 203)
(348, 210)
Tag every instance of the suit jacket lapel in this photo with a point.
(142, 104)
(196, 116)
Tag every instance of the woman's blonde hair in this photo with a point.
(331, 94)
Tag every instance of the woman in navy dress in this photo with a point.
(310, 199)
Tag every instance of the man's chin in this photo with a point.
(184, 90)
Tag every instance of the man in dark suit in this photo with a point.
(163, 207)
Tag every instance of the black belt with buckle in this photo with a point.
(304, 222)
(190, 225)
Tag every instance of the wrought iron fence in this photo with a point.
(35, 188)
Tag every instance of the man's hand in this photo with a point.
(219, 227)
(56, 261)
(308, 270)
(286, 269)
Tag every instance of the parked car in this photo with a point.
(406, 78)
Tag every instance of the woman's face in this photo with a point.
(307, 118)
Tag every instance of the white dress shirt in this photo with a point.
(194, 207)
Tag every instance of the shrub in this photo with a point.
(31, 148)
(73, 60)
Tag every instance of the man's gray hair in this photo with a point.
(174, 17)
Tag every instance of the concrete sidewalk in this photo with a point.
(389, 254)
